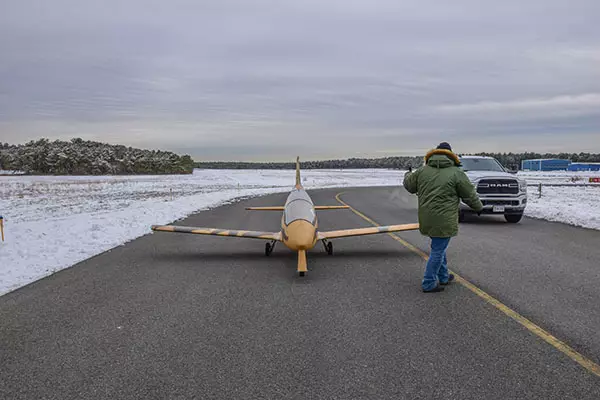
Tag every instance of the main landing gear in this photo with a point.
(328, 246)
(269, 247)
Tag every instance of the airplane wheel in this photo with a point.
(330, 248)
(268, 249)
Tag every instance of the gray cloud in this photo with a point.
(268, 79)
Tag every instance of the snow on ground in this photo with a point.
(54, 222)
(579, 206)
(558, 177)
(574, 205)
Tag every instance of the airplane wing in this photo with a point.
(367, 231)
(277, 208)
(218, 232)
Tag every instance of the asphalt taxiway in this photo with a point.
(190, 316)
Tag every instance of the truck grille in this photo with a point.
(498, 186)
(500, 202)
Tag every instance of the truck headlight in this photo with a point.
(523, 186)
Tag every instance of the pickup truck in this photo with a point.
(500, 191)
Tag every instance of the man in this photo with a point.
(440, 185)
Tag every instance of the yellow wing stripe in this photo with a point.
(367, 231)
(218, 232)
(331, 207)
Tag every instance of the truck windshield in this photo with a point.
(481, 164)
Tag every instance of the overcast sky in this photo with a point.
(267, 80)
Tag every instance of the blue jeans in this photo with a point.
(437, 265)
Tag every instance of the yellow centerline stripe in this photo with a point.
(585, 362)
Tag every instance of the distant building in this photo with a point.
(549, 164)
(583, 166)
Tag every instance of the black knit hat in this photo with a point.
(444, 146)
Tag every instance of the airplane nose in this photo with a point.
(300, 235)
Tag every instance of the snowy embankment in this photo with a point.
(577, 205)
(55, 222)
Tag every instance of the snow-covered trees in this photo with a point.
(80, 157)
(386, 162)
(509, 160)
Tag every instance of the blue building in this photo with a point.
(582, 166)
(551, 164)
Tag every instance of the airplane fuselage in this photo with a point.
(299, 223)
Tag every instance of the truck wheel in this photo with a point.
(513, 218)
(461, 216)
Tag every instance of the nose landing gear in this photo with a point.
(302, 263)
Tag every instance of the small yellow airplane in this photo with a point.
(299, 226)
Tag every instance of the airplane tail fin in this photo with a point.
(298, 182)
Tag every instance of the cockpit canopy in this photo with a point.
(299, 206)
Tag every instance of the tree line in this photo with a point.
(82, 157)
(387, 162)
(509, 160)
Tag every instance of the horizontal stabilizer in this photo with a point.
(367, 231)
(281, 208)
(218, 232)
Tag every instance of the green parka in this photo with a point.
(440, 185)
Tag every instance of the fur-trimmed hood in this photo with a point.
(450, 155)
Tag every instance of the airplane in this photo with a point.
(299, 226)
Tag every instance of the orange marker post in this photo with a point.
(2, 227)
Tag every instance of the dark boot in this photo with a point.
(450, 279)
(436, 289)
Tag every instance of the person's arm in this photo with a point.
(410, 181)
(466, 191)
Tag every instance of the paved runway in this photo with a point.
(193, 317)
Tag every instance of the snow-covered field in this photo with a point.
(576, 205)
(54, 222)
(558, 177)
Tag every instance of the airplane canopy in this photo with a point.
(299, 206)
